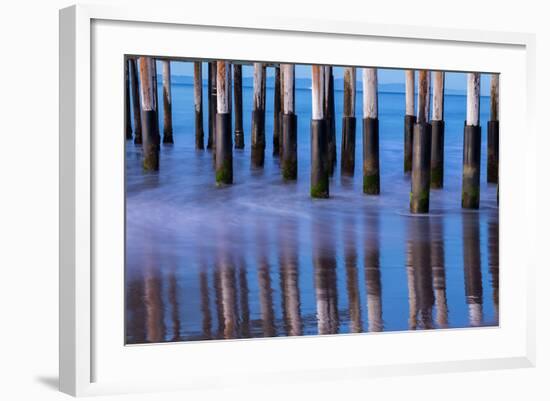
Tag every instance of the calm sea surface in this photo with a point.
(261, 258)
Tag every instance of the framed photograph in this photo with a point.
(265, 199)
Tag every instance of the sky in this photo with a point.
(453, 80)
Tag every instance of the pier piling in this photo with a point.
(224, 143)
(421, 152)
(127, 113)
(238, 98)
(167, 102)
(197, 86)
(319, 187)
(277, 111)
(258, 117)
(493, 132)
(330, 118)
(348, 123)
(371, 163)
(135, 100)
(211, 104)
(149, 116)
(438, 130)
(289, 157)
(472, 146)
(410, 120)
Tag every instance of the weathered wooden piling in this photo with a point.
(472, 146)
(348, 123)
(319, 187)
(410, 120)
(330, 118)
(422, 143)
(277, 111)
(289, 125)
(197, 86)
(493, 132)
(438, 130)
(238, 98)
(258, 117)
(224, 142)
(371, 162)
(127, 113)
(212, 104)
(156, 95)
(167, 102)
(135, 100)
(149, 116)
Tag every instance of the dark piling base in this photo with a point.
(420, 179)
(319, 159)
(408, 141)
(371, 162)
(138, 139)
(471, 167)
(150, 140)
(281, 139)
(492, 151)
(239, 139)
(437, 156)
(348, 146)
(258, 138)
(331, 134)
(224, 149)
(167, 136)
(289, 159)
(199, 130)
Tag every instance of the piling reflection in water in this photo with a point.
(286, 278)
(372, 273)
(289, 277)
(324, 265)
(420, 273)
(472, 268)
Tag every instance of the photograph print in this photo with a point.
(271, 199)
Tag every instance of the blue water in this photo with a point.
(261, 258)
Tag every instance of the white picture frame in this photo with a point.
(95, 361)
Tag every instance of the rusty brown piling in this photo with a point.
(127, 113)
(493, 132)
(289, 126)
(421, 154)
(258, 117)
(224, 143)
(472, 146)
(238, 98)
(167, 102)
(197, 87)
(319, 187)
(135, 100)
(151, 139)
(410, 120)
(371, 162)
(438, 130)
(212, 102)
(348, 123)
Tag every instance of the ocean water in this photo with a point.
(261, 258)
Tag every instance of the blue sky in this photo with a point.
(453, 80)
